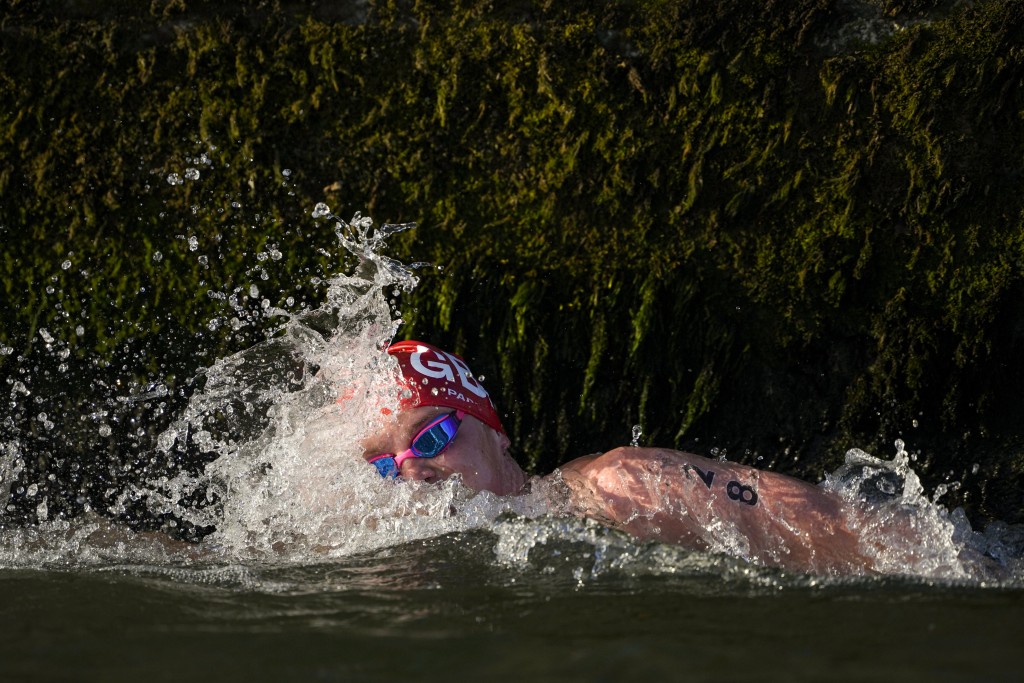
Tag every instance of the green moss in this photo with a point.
(703, 218)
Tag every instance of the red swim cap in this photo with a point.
(438, 378)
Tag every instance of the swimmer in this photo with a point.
(449, 426)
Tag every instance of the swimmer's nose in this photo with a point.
(421, 469)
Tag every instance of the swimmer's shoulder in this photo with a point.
(590, 468)
(625, 456)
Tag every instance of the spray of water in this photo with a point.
(285, 419)
(278, 426)
(902, 529)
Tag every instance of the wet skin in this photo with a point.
(653, 493)
(705, 504)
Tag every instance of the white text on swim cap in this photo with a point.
(442, 369)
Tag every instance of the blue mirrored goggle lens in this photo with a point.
(434, 439)
(387, 467)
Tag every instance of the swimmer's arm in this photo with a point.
(699, 503)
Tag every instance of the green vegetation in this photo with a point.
(733, 225)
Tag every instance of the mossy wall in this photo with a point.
(731, 223)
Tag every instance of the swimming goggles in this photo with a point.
(429, 442)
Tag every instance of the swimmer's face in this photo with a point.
(477, 452)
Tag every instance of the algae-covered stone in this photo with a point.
(778, 231)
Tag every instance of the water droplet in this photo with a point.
(174, 179)
(193, 243)
(32, 490)
(321, 210)
(192, 173)
(104, 430)
(157, 256)
(254, 291)
(79, 330)
(65, 265)
(286, 172)
(637, 431)
(45, 334)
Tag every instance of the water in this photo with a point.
(309, 566)
(443, 609)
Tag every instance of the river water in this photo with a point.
(447, 609)
(311, 567)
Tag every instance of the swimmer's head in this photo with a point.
(446, 426)
(437, 378)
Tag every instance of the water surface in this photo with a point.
(446, 609)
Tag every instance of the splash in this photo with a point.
(284, 419)
(275, 430)
(906, 532)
